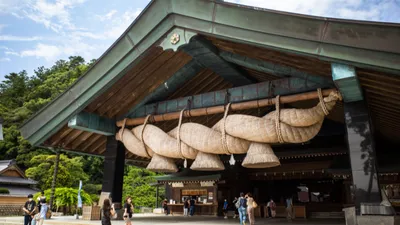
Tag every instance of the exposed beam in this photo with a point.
(183, 75)
(221, 108)
(346, 80)
(90, 122)
(206, 54)
(272, 68)
(262, 90)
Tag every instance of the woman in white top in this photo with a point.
(250, 208)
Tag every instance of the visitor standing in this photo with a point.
(29, 210)
(186, 207)
(128, 211)
(40, 199)
(236, 208)
(165, 207)
(272, 207)
(289, 208)
(225, 209)
(242, 209)
(251, 204)
(192, 204)
(108, 212)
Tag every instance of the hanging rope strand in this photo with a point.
(321, 100)
(141, 135)
(278, 120)
(178, 135)
(223, 129)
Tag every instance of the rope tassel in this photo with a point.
(232, 160)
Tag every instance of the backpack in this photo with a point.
(237, 204)
(243, 202)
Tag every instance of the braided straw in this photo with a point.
(223, 129)
(277, 120)
(141, 135)
(321, 100)
(178, 136)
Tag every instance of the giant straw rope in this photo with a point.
(234, 134)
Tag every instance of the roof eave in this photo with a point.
(313, 36)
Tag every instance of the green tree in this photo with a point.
(137, 185)
(67, 197)
(69, 171)
(21, 96)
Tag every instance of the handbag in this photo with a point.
(255, 205)
(115, 216)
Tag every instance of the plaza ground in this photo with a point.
(144, 219)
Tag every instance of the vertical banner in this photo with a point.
(79, 195)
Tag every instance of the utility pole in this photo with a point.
(53, 183)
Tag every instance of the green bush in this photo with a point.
(66, 197)
(4, 191)
(92, 188)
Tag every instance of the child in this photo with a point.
(225, 209)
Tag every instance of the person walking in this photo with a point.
(289, 209)
(242, 209)
(251, 204)
(192, 204)
(185, 207)
(41, 216)
(128, 211)
(272, 207)
(108, 212)
(225, 209)
(29, 210)
(236, 208)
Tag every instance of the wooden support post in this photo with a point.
(114, 163)
(234, 107)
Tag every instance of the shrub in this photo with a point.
(4, 191)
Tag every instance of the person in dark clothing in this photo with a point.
(165, 206)
(192, 205)
(108, 212)
(40, 199)
(128, 211)
(185, 207)
(236, 209)
(29, 210)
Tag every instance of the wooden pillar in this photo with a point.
(114, 163)
(362, 155)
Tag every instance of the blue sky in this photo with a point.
(39, 32)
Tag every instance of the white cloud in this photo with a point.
(107, 16)
(5, 59)
(86, 34)
(348, 9)
(48, 52)
(10, 52)
(19, 38)
(121, 23)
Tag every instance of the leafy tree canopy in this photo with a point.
(70, 171)
(137, 185)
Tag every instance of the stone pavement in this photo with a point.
(147, 219)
